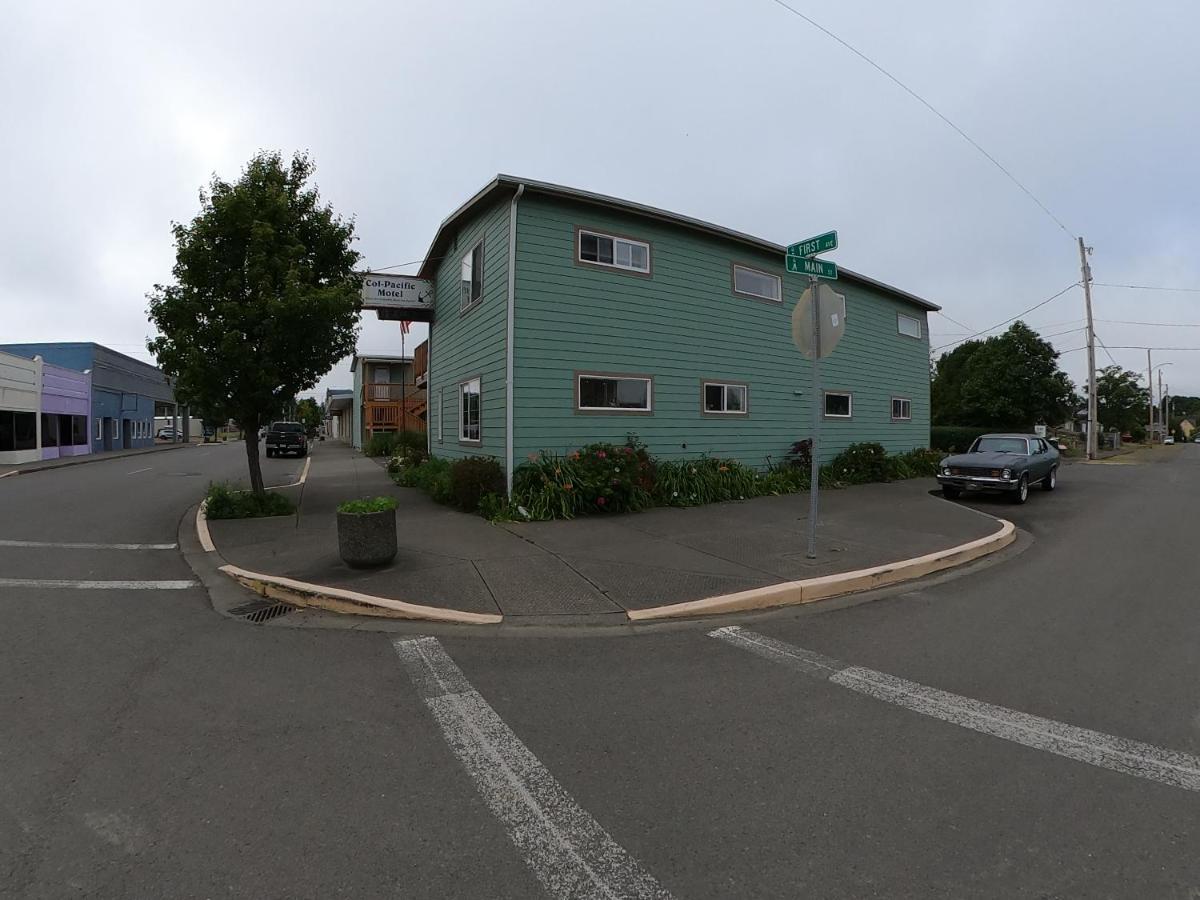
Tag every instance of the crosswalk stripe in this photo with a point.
(1130, 757)
(569, 852)
(97, 585)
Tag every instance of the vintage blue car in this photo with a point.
(1007, 463)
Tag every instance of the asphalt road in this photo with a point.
(1039, 737)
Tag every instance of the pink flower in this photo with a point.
(600, 454)
(600, 501)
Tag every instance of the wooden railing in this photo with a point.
(421, 362)
(389, 392)
(394, 415)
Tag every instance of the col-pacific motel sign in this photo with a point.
(398, 297)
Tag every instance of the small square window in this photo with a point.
(725, 399)
(753, 283)
(901, 409)
(838, 405)
(909, 326)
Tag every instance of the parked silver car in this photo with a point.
(1007, 463)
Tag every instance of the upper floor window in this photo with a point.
(617, 252)
(468, 416)
(908, 325)
(753, 283)
(472, 277)
(613, 393)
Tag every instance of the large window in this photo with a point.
(901, 409)
(18, 430)
(468, 411)
(749, 282)
(617, 252)
(613, 393)
(838, 405)
(725, 399)
(49, 430)
(472, 277)
(79, 430)
(908, 325)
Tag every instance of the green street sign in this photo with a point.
(805, 265)
(822, 243)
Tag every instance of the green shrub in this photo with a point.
(225, 502)
(471, 478)
(955, 438)
(498, 508)
(406, 457)
(918, 463)
(596, 478)
(704, 480)
(859, 464)
(431, 476)
(367, 505)
(388, 443)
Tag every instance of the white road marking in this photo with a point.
(569, 852)
(136, 471)
(1170, 767)
(6, 474)
(85, 546)
(98, 585)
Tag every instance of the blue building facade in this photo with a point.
(125, 391)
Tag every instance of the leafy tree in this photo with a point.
(1120, 402)
(1013, 380)
(945, 391)
(309, 413)
(265, 298)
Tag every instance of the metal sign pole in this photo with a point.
(815, 477)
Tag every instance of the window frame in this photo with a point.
(825, 414)
(116, 429)
(734, 265)
(580, 410)
(896, 418)
(581, 230)
(99, 428)
(475, 441)
(441, 414)
(706, 383)
(463, 309)
(919, 336)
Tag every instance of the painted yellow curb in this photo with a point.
(826, 586)
(301, 593)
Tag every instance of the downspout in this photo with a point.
(508, 343)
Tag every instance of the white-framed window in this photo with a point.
(116, 429)
(472, 277)
(721, 398)
(838, 405)
(910, 326)
(901, 409)
(441, 414)
(99, 429)
(749, 282)
(613, 393)
(468, 411)
(618, 252)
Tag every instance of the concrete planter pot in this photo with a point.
(367, 539)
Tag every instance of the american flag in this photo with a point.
(405, 326)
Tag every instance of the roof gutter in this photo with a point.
(510, 328)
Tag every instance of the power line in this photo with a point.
(955, 321)
(1147, 287)
(1152, 324)
(929, 106)
(1106, 350)
(398, 265)
(1061, 333)
(1006, 321)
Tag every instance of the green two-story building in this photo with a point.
(562, 317)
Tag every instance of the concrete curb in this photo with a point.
(301, 593)
(811, 589)
(34, 468)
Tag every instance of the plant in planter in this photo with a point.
(367, 531)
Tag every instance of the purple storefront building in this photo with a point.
(66, 408)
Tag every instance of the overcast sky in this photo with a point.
(733, 111)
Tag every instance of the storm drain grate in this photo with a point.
(260, 611)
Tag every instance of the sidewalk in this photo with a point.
(598, 567)
(43, 465)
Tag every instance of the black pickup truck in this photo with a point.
(286, 437)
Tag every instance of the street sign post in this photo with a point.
(817, 268)
(822, 243)
(799, 259)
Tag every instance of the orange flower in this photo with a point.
(567, 486)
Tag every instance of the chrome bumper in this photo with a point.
(979, 481)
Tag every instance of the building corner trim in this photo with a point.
(510, 328)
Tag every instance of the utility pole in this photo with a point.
(814, 475)
(1162, 424)
(1086, 273)
(1150, 397)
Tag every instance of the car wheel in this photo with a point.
(1021, 494)
(1050, 482)
(950, 493)
(270, 453)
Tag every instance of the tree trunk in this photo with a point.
(251, 437)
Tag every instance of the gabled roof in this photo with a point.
(505, 184)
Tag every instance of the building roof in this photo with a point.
(502, 184)
(375, 357)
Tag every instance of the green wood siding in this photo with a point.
(470, 344)
(683, 325)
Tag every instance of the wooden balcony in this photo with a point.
(385, 411)
(421, 362)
